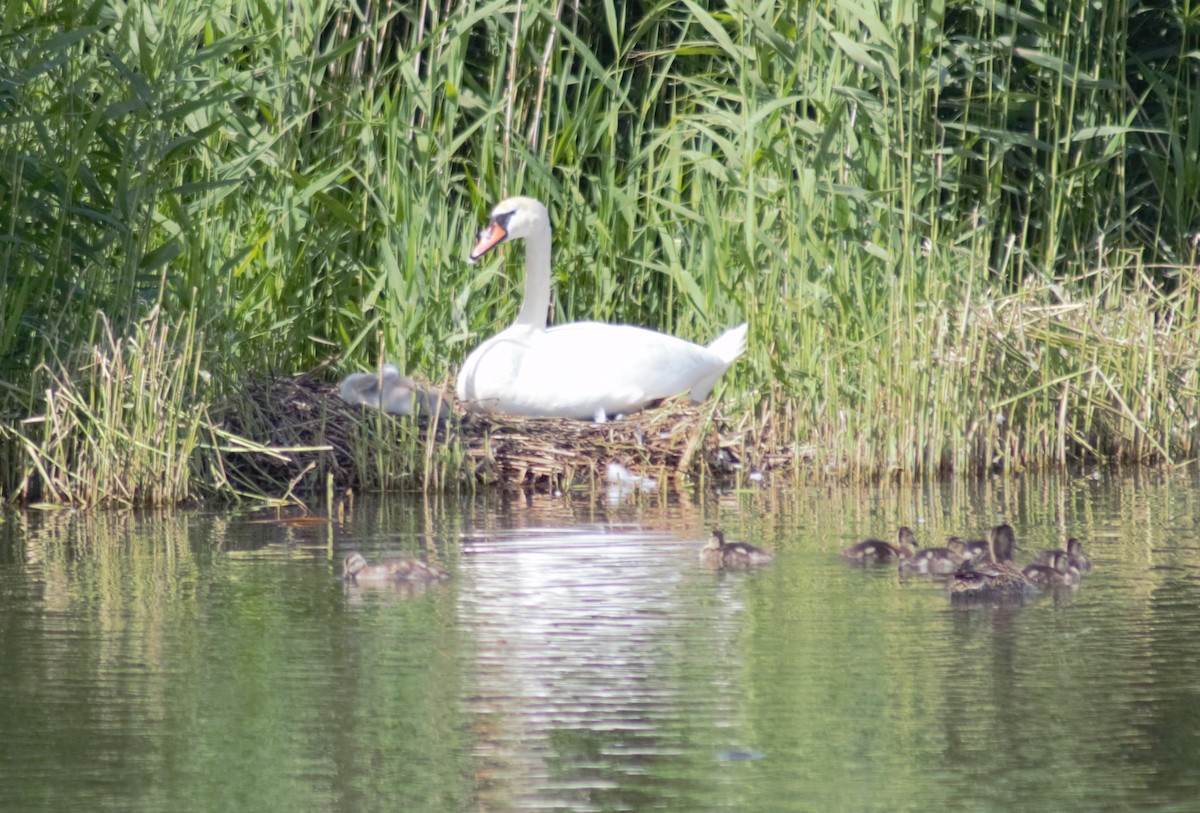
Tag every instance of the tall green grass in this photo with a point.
(120, 422)
(963, 233)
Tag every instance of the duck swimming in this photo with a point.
(1074, 554)
(719, 554)
(940, 561)
(1080, 560)
(871, 551)
(356, 570)
(976, 550)
(584, 370)
(997, 578)
(1057, 571)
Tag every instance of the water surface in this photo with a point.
(581, 659)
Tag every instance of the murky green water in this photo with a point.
(580, 659)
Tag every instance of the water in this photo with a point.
(581, 660)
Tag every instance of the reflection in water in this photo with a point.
(579, 636)
(579, 658)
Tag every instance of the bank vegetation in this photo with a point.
(964, 233)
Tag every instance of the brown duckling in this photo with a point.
(719, 554)
(1080, 560)
(390, 571)
(1056, 572)
(941, 561)
(976, 550)
(997, 578)
(1074, 553)
(871, 551)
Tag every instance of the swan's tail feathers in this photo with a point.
(730, 344)
(727, 347)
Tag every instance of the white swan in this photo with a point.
(582, 369)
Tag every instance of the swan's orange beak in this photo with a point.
(489, 238)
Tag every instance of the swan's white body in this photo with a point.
(582, 369)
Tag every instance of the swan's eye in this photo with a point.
(502, 219)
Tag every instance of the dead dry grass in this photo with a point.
(676, 442)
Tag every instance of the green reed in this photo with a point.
(963, 233)
(119, 422)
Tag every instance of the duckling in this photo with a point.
(870, 551)
(997, 578)
(941, 561)
(1056, 572)
(719, 554)
(393, 393)
(976, 550)
(1074, 553)
(1080, 560)
(391, 571)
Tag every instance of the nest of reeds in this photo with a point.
(671, 442)
(287, 430)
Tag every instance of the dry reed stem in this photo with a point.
(674, 442)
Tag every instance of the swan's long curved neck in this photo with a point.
(535, 309)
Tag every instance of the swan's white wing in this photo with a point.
(487, 377)
(573, 369)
